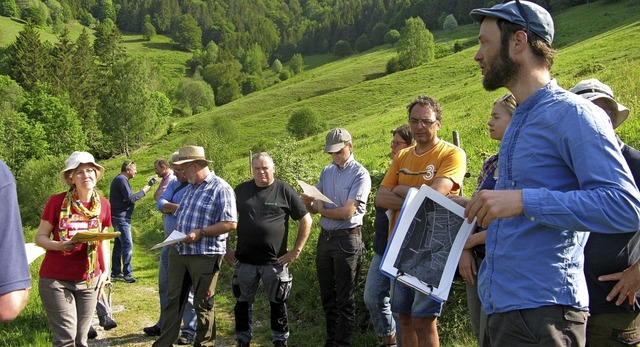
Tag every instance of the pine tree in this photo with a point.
(61, 77)
(108, 45)
(28, 57)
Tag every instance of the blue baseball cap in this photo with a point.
(527, 14)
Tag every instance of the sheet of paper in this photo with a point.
(172, 239)
(86, 236)
(33, 251)
(313, 192)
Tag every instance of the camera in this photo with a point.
(152, 181)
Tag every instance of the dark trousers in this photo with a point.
(338, 262)
(185, 271)
(554, 325)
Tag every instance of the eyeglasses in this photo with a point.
(396, 143)
(182, 169)
(426, 122)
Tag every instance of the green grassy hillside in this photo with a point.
(596, 40)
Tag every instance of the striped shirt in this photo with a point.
(207, 203)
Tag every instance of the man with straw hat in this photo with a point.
(207, 213)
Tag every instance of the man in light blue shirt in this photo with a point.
(561, 173)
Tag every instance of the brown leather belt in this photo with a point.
(328, 234)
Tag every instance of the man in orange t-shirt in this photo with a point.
(441, 166)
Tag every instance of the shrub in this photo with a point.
(34, 14)
(392, 36)
(342, 48)
(450, 23)
(36, 181)
(296, 64)
(284, 75)
(276, 66)
(148, 31)
(195, 94)
(252, 84)
(393, 65)
(363, 43)
(304, 122)
(378, 32)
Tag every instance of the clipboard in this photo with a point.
(87, 236)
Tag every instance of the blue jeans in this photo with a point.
(377, 299)
(122, 248)
(189, 318)
(338, 261)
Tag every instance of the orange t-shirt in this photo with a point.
(408, 168)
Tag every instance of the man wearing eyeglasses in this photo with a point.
(340, 250)
(441, 166)
(123, 201)
(561, 173)
(206, 215)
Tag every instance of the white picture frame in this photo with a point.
(426, 243)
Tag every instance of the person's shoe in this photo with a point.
(107, 323)
(280, 343)
(184, 339)
(153, 330)
(116, 277)
(92, 334)
(242, 344)
(129, 279)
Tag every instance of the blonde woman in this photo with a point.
(72, 273)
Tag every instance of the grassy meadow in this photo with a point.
(595, 40)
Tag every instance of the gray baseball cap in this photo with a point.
(336, 140)
(527, 14)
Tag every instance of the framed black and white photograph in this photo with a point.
(426, 244)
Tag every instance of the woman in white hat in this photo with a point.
(72, 273)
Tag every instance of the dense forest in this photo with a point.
(57, 97)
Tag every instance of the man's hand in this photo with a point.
(306, 199)
(488, 205)
(192, 236)
(627, 286)
(230, 257)
(289, 257)
(467, 266)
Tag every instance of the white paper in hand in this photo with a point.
(172, 239)
(313, 192)
(33, 251)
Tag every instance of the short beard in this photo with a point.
(501, 71)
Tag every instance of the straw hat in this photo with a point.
(75, 159)
(188, 154)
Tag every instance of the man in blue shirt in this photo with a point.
(340, 250)
(561, 173)
(168, 202)
(123, 201)
(206, 214)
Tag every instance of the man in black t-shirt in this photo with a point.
(264, 206)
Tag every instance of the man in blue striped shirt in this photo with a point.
(206, 214)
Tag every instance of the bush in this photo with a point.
(304, 122)
(378, 32)
(276, 66)
(450, 23)
(252, 84)
(393, 65)
(34, 14)
(284, 75)
(363, 43)
(296, 64)
(342, 48)
(148, 31)
(196, 95)
(36, 181)
(228, 92)
(392, 36)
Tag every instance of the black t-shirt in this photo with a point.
(263, 220)
(609, 253)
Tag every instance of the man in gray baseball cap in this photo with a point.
(561, 173)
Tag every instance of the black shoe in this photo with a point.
(280, 343)
(153, 330)
(184, 339)
(107, 323)
(92, 334)
(242, 344)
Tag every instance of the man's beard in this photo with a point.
(501, 71)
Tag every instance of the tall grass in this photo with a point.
(595, 40)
